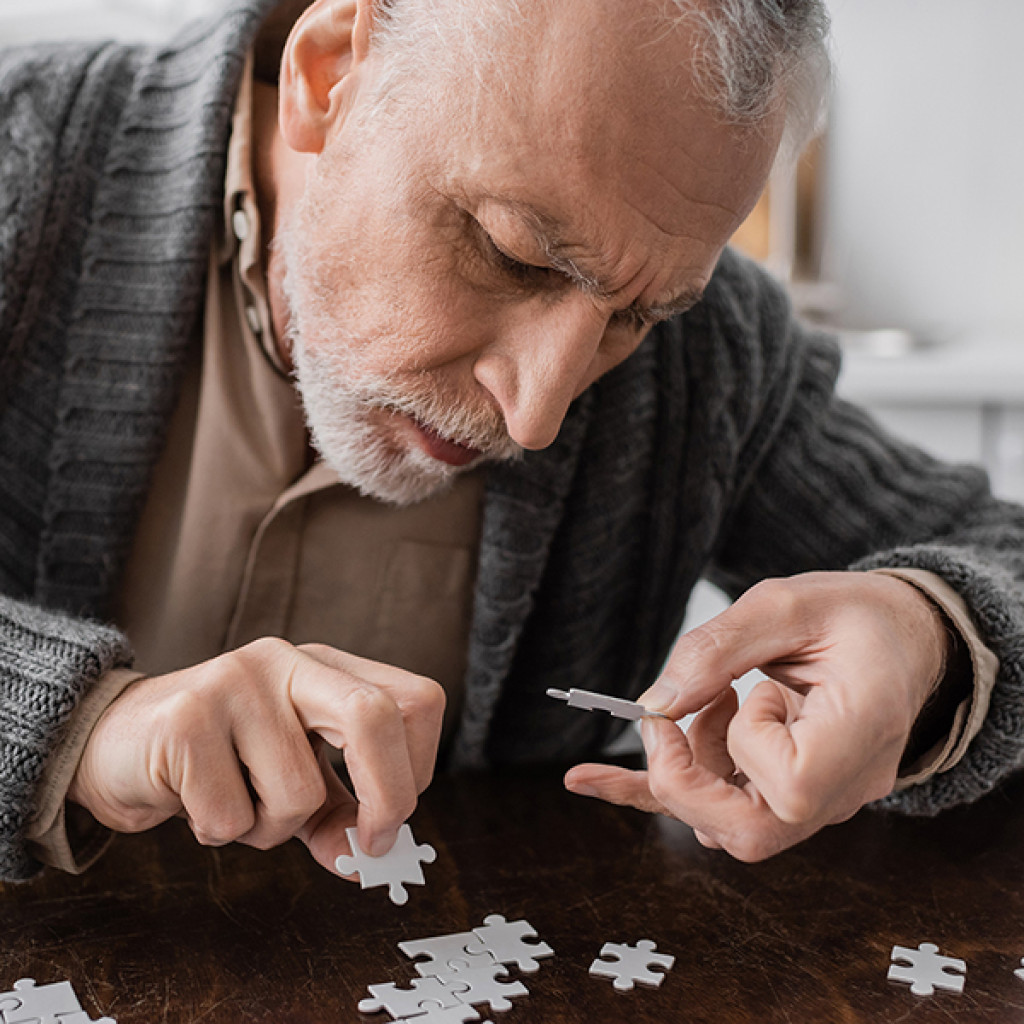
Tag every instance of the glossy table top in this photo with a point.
(163, 930)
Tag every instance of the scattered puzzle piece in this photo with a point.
(481, 985)
(1019, 973)
(450, 1015)
(30, 1003)
(504, 941)
(927, 970)
(442, 951)
(425, 994)
(632, 965)
(399, 867)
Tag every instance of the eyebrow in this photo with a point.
(548, 235)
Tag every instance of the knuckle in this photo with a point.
(707, 642)
(777, 594)
(224, 827)
(369, 704)
(796, 805)
(263, 651)
(306, 795)
(426, 694)
(750, 848)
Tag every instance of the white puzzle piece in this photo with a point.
(442, 951)
(632, 965)
(425, 994)
(504, 941)
(460, 1014)
(482, 985)
(925, 970)
(617, 707)
(399, 867)
(1019, 973)
(29, 1003)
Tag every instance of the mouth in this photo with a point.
(440, 448)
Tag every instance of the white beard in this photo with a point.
(339, 401)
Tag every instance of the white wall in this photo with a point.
(30, 20)
(926, 197)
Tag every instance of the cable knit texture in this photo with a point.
(719, 448)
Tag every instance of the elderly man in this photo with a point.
(483, 242)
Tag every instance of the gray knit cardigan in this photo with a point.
(719, 448)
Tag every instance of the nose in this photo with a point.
(538, 364)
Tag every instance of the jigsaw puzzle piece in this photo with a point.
(481, 985)
(425, 994)
(1019, 973)
(504, 940)
(83, 1018)
(442, 951)
(461, 1014)
(925, 970)
(399, 867)
(632, 965)
(30, 1003)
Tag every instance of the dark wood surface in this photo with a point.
(162, 930)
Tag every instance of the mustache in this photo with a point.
(469, 420)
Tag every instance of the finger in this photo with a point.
(363, 719)
(708, 735)
(324, 832)
(421, 701)
(615, 785)
(213, 792)
(765, 624)
(283, 773)
(706, 840)
(735, 816)
(803, 754)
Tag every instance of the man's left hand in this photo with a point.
(850, 658)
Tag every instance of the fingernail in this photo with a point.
(382, 843)
(582, 790)
(651, 735)
(660, 696)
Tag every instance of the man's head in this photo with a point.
(485, 204)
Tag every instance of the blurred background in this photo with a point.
(903, 226)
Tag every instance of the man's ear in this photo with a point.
(328, 42)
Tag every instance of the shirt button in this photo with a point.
(253, 316)
(240, 224)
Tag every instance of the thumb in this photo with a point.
(760, 627)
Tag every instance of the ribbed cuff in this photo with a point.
(60, 834)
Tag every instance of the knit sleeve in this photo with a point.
(823, 486)
(47, 662)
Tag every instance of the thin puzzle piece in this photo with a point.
(1019, 973)
(425, 994)
(925, 970)
(399, 867)
(632, 965)
(481, 985)
(442, 951)
(29, 1003)
(504, 941)
(449, 1015)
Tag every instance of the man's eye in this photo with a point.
(524, 273)
(630, 319)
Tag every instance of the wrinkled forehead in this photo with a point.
(595, 101)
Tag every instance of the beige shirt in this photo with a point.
(244, 536)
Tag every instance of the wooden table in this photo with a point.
(163, 930)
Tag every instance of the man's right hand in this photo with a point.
(235, 745)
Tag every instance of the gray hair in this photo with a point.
(749, 56)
